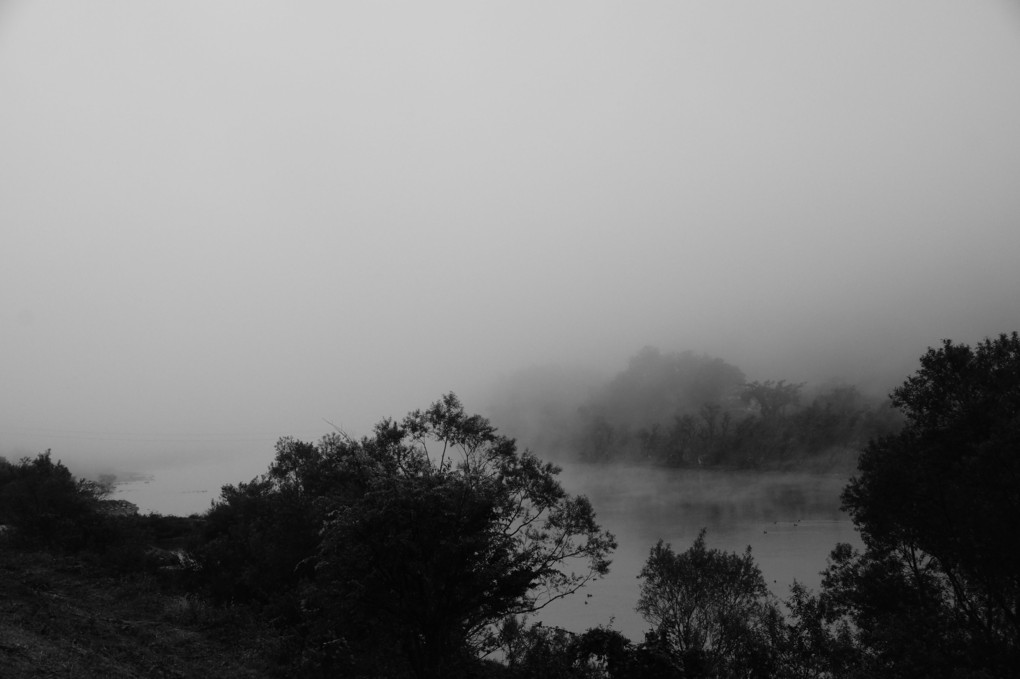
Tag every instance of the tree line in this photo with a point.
(681, 409)
(419, 551)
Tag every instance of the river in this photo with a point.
(791, 522)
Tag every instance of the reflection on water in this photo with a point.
(791, 522)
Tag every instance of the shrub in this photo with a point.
(45, 506)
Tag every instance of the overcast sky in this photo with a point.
(223, 221)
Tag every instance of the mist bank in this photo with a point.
(688, 410)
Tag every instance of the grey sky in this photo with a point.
(229, 218)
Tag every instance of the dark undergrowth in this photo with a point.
(70, 616)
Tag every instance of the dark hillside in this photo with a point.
(61, 616)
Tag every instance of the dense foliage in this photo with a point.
(541, 652)
(406, 547)
(711, 610)
(43, 504)
(936, 591)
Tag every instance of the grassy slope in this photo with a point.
(61, 617)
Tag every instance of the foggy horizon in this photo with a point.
(224, 223)
(93, 451)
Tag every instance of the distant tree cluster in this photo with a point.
(689, 410)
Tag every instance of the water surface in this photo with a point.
(791, 522)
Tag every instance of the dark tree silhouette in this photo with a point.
(404, 548)
(45, 505)
(937, 589)
(711, 610)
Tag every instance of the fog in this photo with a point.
(221, 223)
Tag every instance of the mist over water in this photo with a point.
(182, 490)
(791, 521)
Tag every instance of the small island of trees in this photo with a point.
(688, 410)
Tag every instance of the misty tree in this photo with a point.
(433, 529)
(598, 440)
(844, 400)
(684, 409)
(694, 440)
(641, 403)
(655, 386)
(840, 416)
(772, 398)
